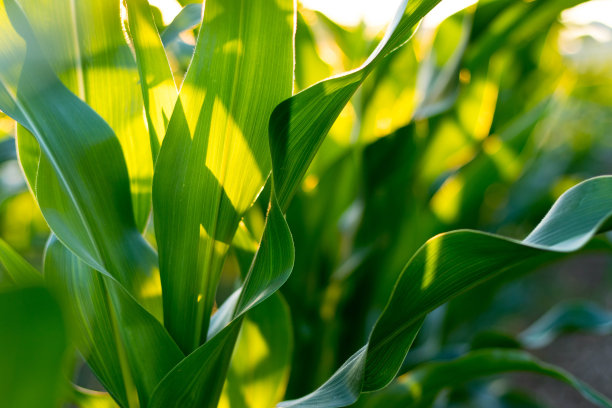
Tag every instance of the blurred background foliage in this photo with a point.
(479, 122)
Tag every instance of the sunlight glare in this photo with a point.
(378, 14)
(168, 8)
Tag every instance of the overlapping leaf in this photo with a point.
(81, 183)
(199, 378)
(450, 264)
(215, 156)
(127, 348)
(189, 17)
(259, 370)
(299, 124)
(84, 44)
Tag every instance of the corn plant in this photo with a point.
(148, 179)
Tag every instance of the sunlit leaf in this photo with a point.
(84, 44)
(259, 370)
(81, 183)
(215, 157)
(158, 88)
(189, 17)
(299, 124)
(199, 378)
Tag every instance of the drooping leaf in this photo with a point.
(81, 183)
(450, 264)
(84, 44)
(420, 387)
(126, 347)
(34, 341)
(215, 157)
(299, 124)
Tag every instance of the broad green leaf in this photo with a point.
(450, 264)
(259, 368)
(158, 88)
(215, 157)
(566, 317)
(35, 354)
(18, 271)
(420, 387)
(126, 347)
(84, 43)
(299, 124)
(81, 183)
(189, 17)
(199, 378)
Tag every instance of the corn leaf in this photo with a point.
(84, 44)
(199, 378)
(448, 265)
(215, 158)
(81, 183)
(156, 81)
(259, 369)
(420, 387)
(299, 124)
(34, 340)
(126, 347)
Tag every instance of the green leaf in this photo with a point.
(259, 369)
(126, 347)
(215, 158)
(448, 265)
(18, 271)
(199, 378)
(81, 183)
(84, 43)
(566, 317)
(158, 87)
(35, 354)
(420, 387)
(299, 124)
(189, 17)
